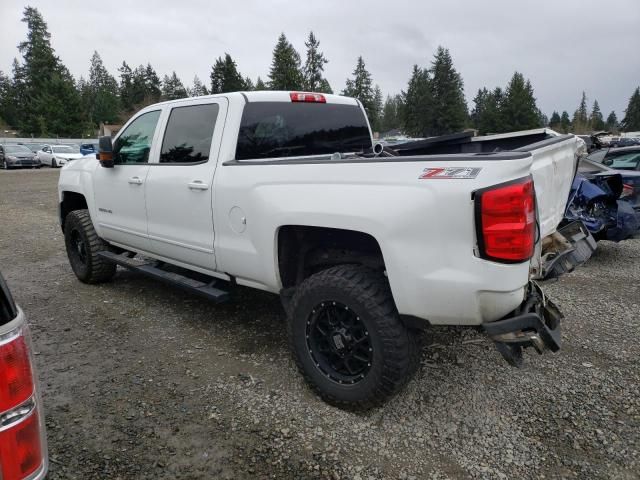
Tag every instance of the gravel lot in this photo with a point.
(143, 381)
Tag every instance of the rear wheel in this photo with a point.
(54, 164)
(83, 245)
(348, 339)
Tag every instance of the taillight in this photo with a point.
(505, 216)
(307, 97)
(16, 381)
(627, 190)
(22, 441)
(21, 448)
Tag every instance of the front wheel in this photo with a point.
(348, 339)
(83, 246)
(54, 164)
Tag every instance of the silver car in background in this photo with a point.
(58, 155)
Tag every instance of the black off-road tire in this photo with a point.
(83, 245)
(395, 352)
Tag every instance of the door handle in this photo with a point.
(198, 185)
(135, 181)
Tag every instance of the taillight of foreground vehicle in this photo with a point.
(506, 221)
(23, 452)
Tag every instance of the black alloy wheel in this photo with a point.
(339, 342)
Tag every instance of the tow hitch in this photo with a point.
(536, 323)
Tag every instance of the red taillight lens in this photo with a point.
(627, 190)
(307, 97)
(506, 216)
(16, 380)
(21, 448)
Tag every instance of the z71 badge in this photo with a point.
(449, 173)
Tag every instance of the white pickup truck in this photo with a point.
(285, 192)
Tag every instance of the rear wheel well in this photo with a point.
(71, 201)
(304, 250)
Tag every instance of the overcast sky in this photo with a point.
(562, 46)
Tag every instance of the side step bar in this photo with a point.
(151, 269)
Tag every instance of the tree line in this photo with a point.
(42, 98)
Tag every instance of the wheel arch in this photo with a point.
(70, 201)
(302, 250)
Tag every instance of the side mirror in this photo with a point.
(105, 152)
(607, 161)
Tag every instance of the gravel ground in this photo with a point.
(143, 381)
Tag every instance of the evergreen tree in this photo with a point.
(580, 122)
(313, 69)
(260, 85)
(8, 104)
(554, 121)
(376, 109)
(612, 122)
(199, 89)
(361, 87)
(417, 111)
(595, 119)
(543, 120)
(449, 105)
(49, 101)
(126, 87)
(565, 122)
(152, 85)
(173, 88)
(519, 110)
(631, 121)
(138, 87)
(225, 76)
(285, 71)
(487, 115)
(390, 119)
(248, 84)
(103, 103)
(325, 87)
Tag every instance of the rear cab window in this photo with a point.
(298, 129)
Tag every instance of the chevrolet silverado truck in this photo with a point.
(286, 192)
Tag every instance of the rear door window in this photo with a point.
(280, 129)
(187, 138)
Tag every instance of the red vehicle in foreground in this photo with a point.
(23, 447)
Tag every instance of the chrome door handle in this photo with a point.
(135, 181)
(198, 185)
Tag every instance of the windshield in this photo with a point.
(16, 149)
(626, 161)
(63, 149)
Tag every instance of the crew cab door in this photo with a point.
(119, 192)
(179, 187)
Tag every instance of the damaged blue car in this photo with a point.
(604, 200)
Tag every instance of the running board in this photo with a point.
(150, 269)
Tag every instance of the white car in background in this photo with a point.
(58, 155)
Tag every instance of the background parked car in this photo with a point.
(630, 180)
(17, 156)
(58, 155)
(88, 148)
(626, 158)
(34, 147)
(23, 445)
(625, 142)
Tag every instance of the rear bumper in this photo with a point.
(536, 323)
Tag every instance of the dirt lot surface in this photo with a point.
(144, 381)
